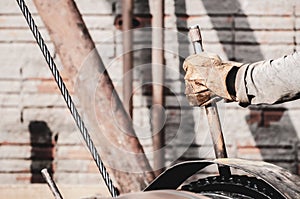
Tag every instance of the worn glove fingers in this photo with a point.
(202, 99)
(196, 92)
(198, 99)
(204, 59)
(194, 86)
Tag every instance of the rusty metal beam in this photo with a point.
(73, 44)
(127, 9)
(157, 86)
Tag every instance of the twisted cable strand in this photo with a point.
(65, 93)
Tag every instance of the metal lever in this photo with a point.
(51, 184)
(211, 110)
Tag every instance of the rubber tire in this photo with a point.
(234, 186)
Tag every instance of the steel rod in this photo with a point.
(211, 111)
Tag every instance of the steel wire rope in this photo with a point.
(65, 93)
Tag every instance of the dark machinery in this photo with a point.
(263, 180)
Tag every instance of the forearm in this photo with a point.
(269, 82)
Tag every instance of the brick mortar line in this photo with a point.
(40, 107)
(236, 14)
(20, 42)
(97, 15)
(207, 42)
(18, 28)
(248, 29)
(295, 28)
(17, 14)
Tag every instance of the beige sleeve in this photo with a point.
(269, 82)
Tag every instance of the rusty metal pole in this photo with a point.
(74, 44)
(127, 9)
(157, 86)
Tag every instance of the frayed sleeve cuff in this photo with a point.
(240, 86)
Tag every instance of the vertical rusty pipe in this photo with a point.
(157, 86)
(127, 8)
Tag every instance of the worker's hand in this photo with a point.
(206, 79)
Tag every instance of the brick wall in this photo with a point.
(37, 130)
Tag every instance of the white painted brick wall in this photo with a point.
(10, 86)
(265, 37)
(267, 51)
(267, 7)
(298, 37)
(59, 118)
(11, 7)
(10, 121)
(264, 22)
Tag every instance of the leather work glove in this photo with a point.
(207, 78)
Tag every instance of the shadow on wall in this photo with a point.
(231, 10)
(274, 136)
(42, 149)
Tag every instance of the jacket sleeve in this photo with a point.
(269, 82)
